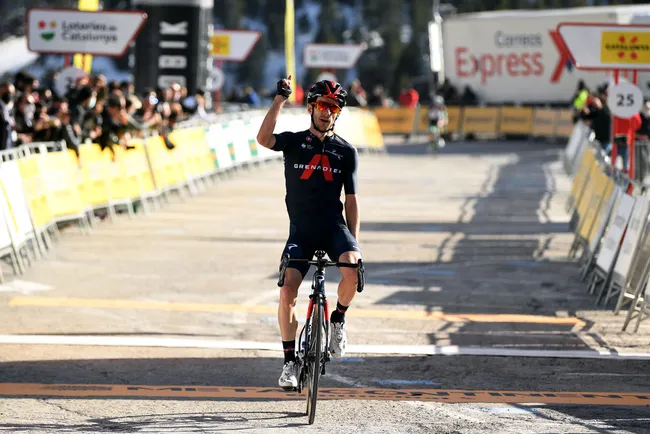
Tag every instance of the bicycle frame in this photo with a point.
(312, 354)
(318, 290)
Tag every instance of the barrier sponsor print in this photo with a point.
(612, 228)
(516, 120)
(545, 122)
(42, 188)
(564, 125)
(502, 120)
(632, 236)
(614, 235)
(480, 120)
(398, 120)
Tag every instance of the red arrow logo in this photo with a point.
(325, 166)
(564, 55)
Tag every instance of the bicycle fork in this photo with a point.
(318, 291)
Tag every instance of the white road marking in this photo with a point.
(345, 380)
(425, 350)
(24, 287)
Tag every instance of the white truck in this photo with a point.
(515, 56)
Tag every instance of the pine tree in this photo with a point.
(329, 31)
(254, 8)
(274, 19)
(230, 13)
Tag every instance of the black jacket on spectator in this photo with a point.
(6, 122)
(111, 132)
(601, 124)
(67, 134)
(644, 129)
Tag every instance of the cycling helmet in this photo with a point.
(327, 89)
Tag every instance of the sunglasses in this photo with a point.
(322, 106)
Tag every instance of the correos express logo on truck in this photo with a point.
(514, 55)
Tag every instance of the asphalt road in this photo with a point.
(473, 319)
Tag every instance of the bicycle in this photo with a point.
(313, 351)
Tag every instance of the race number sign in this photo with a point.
(624, 99)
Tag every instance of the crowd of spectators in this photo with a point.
(92, 110)
(590, 105)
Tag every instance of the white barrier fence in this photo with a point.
(609, 215)
(44, 184)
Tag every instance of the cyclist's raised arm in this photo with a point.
(265, 135)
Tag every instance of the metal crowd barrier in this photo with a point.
(480, 121)
(609, 217)
(44, 185)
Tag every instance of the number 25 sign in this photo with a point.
(624, 99)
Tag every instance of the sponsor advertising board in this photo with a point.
(515, 57)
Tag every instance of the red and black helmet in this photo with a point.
(327, 89)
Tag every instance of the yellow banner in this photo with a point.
(516, 120)
(630, 48)
(220, 45)
(545, 122)
(480, 120)
(289, 49)
(85, 61)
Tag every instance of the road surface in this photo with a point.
(473, 319)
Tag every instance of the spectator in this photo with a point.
(7, 123)
(579, 99)
(409, 98)
(624, 129)
(200, 105)
(357, 95)
(469, 96)
(66, 132)
(114, 122)
(91, 110)
(448, 92)
(599, 118)
(300, 94)
(251, 97)
(82, 102)
(644, 130)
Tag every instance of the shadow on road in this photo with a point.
(494, 261)
(436, 375)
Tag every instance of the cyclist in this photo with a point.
(318, 164)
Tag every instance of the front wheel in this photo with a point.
(314, 359)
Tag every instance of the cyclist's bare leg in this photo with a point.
(287, 317)
(348, 285)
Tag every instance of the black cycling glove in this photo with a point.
(284, 91)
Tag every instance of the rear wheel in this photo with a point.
(314, 359)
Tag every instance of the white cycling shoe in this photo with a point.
(338, 339)
(289, 379)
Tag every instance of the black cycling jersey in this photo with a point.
(315, 172)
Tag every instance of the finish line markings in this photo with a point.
(431, 395)
(410, 350)
(357, 313)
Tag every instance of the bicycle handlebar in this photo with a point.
(286, 261)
